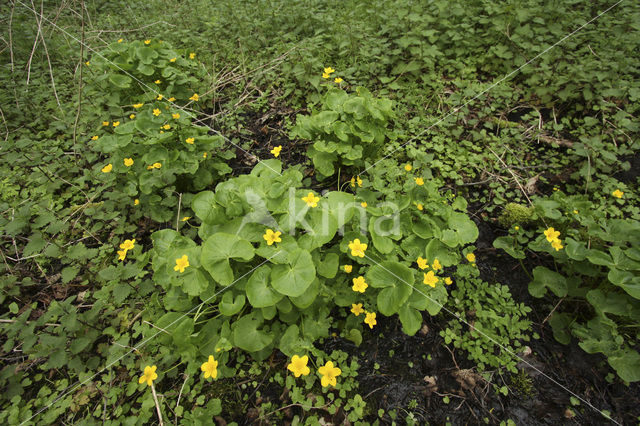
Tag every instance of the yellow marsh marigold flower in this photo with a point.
(175, 116)
(448, 281)
(132, 116)
(276, 151)
(105, 123)
(181, 263)
(329, 70)
(551, 234)
(122, 254)
(408, 167)
(156, 165)
(136, 106)
(156, 112)
(136, 202)
(420, 206)
(348, 268)
(356, 309)
(148, 376)
(575, 212)
(357, 248)
(338, 80)
(298, 365)
(107, 168)
(471, 257)
(87, 63)
(210, 368)
(119, 40)
(617, 193)
(311, 200)
(329, 373)
(171, 99)
(204, 155)
(272, 237)
(436, 265)
(166, 127)
(116, 123)
(194, 97)
(419, 181)
(160, 97)
(128, 244)
(325, 75)
(157, 82)
(192, 55)
(359, 284)
(172, 59)
(355, 181)
(128, 162)
(422, 263)
(186, 218)
(370, 319)
(364, 204)
(190, 141)
(94, 138)
(430, 279)
(147, 41)
(557, 244)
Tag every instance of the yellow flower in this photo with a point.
(171, 99)
(87, 63)
(471, 257)
(105, 123)
(194, 97)
(551, 234)
(617, 193)
(329, 70)
(356, 309)
(430, 279)
(355, 181)
(436, 265)
(348, 268)
(329, 374)
(422, 263)
(156, 112)
(338, 80)
(147, 41)
(575, 212)
(517, 228)
(420, 207)
(181, 263)
(148, 376)
(128, 244)
(359, 284)
(448, 281)
(204, 155)
(166, 127)
(160, 97)
(272, 237)
(419, 181)
(186, 218)
(298, 365)
(210, 368)
(557, 244)
(107, 168)
(157, 82)
(325, 75)
(276, 151)
(156, 165)
(136, 202)
(370, 319)
(175, 116)
(311, 200)
(116, 123)
(192, 55)
(122, 254)
(136, 106)
(357, 248)
(364, 204)
(94, 138)
(128, 162)
(172, 59)
(132, 116)
(408, 167)
(555, 189)
(119, 40)
(190, 141)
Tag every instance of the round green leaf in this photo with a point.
(229, 305)
(246, 335)
(294, 278)
(259, 293)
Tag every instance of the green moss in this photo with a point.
(514, 213)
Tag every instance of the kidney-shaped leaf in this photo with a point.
(296, 276)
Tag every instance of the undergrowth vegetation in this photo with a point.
(268, 212)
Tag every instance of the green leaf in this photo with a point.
(307, 298)
(328, 268)
(411, 320)
(625, 280)
(218, 249)
(194, 281)
(229, 305)
(575, 250)
(560, 324)
(463, 226)
(546, 278)
(246, 335)
(389, 273)
(121, 81)
(259, 292)
(509, 245)
(294, 278)
(627, 365)
(435, 249)
(206, 208)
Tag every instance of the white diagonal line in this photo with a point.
(454, 110)
(144, 342)
(494, 341)
(152, 89)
